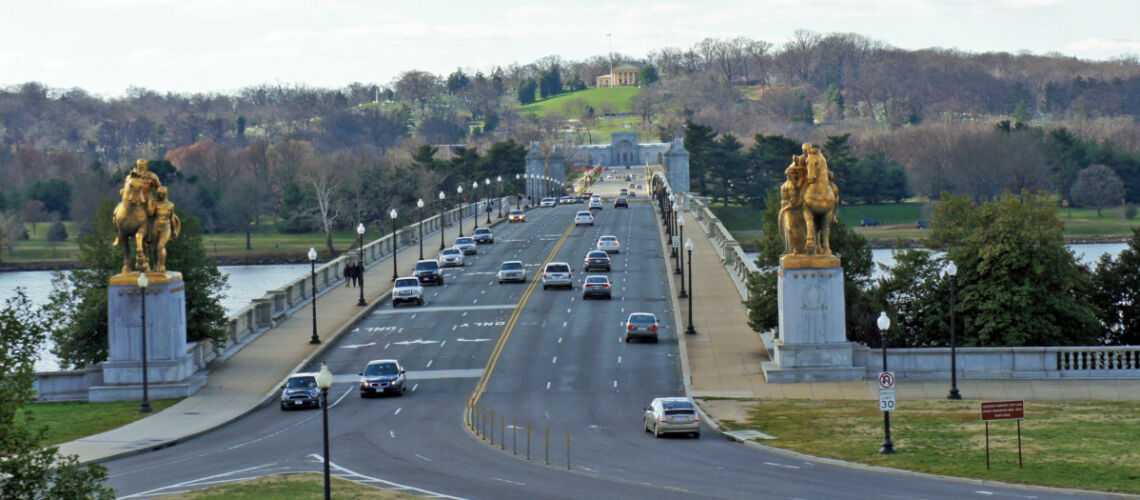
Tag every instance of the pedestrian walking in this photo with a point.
(348, 275)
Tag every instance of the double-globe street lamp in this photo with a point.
(360, 279)
(689, 246)
(324, 381)
(487, 208)
(499, 181)
(395, 242)
(884, 324)
(145, 406)
(475, 205)
(952, 272)
(680, 261)
(313, 278)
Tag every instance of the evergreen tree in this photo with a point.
(28, 468)
(526, 89)
(1117, 293)
(1018, 285)
(78, 303)
(700, 141)
(770, 155)
(647, 75)
(57, 232)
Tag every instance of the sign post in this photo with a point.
(1003, 410)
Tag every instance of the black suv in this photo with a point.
(596, 259)
(621, 203)
(428, 272)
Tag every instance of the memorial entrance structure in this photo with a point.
(812, 342)
(145, 222)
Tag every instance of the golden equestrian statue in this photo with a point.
(146, 216)
(808, 202)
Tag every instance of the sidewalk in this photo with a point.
(253, 374)
(723, 360)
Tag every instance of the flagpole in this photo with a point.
(611, 58)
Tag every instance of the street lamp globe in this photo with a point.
(680, 222)
(442, 196)
(884, 322)
(392, 214)
(360, 229)
(689, 244)
(312, 254)
(487, 182)
(475, 185)
(420, 203)
(143, 281)
(499, 178)
(324, 377)
(459, 190)
(951, 269)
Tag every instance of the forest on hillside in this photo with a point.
(935, 119)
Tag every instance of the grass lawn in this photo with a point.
(287, 487)
(71, 421)
(620, 97)
(1085, 445)
(38, 248)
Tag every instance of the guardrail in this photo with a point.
(1006, 362)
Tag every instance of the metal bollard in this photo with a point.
(528, 442)
(502, 432)
(492, 428)
(547, 446)
(514, 437)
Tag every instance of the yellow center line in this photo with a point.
(498, 350)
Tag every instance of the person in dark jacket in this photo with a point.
(348, 275)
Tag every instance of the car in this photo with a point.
(609, 244)
(868, 222)
(597, 286)
(583, 218)
(382, 376)
(557, 274)
(625, 191)
(407, 289)
(547, 203)
(565, 200)
(484, 235)
(467, 245)
(641, 325)
(675, 415)
(596, 259)
(595, 204)
(922, 225)
(512, 270)
(428, 272)
(301, 391)
(516, 216)
(451, 257)
(621, 203)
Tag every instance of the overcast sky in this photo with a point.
(106, 46)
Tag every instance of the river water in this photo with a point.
(246, 283)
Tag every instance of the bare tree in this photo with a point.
(417, 86)
(1098, 185)
(11, 228)
(324, 179)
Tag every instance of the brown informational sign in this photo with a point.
(1003, 410)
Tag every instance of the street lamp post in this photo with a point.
(324, 381)
(145, 406)
(888, 447)
(499, 181)
(689, 247)
(360, 232)
(459, 191)
(487, 183)
(680, 269)
(313, 276)
(952, 271)
(420, 213)
(442, 219)
(475, 205)
(393, 214)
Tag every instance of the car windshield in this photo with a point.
(584, 214)
(381, 369)
(642, 319)
(597, 255)
(302, 383)
(424, 266)
(557, 268)
(451, 251)
(516, 212)
(512, 266)
(464, 241)
(677, 405)
(597, 279)
(609, 238)
(407, 282)
(482, 231)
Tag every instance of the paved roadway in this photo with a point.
(557, 362)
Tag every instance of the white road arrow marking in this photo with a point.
(417, 341)
(461, 339)
(357, 346)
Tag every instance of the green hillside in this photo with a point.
(619, 97)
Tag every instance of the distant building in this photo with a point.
(623, 75)
(624, 149)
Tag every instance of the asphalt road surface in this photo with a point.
(540, 358)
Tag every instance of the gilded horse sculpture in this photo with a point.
(820, 199)
(134, 219)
